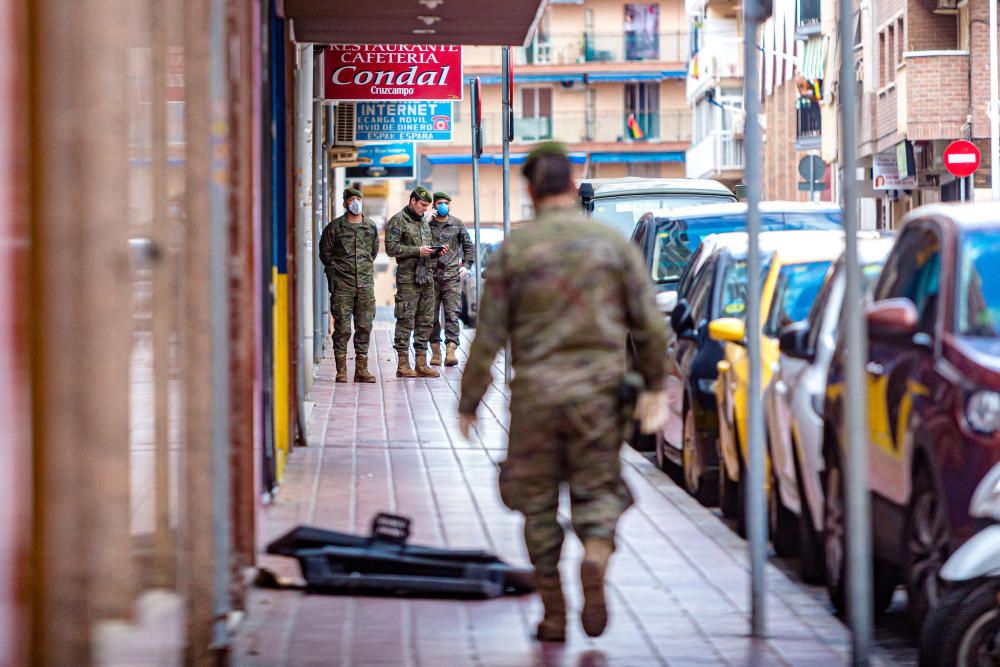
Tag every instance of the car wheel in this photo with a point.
(783, 525)
(695, 480)
(810, 552)
(926, 546)
(964, 629)
(884, 577)
(727, 491)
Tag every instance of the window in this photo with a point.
(913, 272)
(536, 114)
(900, 41)
(978, 290)
(642, 31)
(701, 289)
(642, 110)
(794, 294)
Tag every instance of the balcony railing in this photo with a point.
(717, 155)
(808, 123)
(720, 57)
(568, 48)
(576, 127)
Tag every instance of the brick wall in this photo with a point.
(780, 158)
(927, 31)
(979, 47)
(885, 118)
(937, 91)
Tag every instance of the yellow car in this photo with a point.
(795, 263)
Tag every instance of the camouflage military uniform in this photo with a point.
(564, 291)
(405, 234)
(447, 277)
(348, 252)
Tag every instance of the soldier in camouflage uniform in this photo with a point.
(408, 239)
(451, 268)
(347, 249)
(564, 290)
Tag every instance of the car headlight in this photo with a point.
(982, 411)
(706, 385)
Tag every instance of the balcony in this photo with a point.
(719, 155)
(808, 125)
(808, 20)
(721, 57)
(574, 48)
(932, 94)
(576, 127)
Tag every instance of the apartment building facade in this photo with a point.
(605, 77)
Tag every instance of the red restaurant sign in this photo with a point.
(359, 72)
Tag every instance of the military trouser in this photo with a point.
(449, 298)
(577, 443)
(346, 302)
(414, 314)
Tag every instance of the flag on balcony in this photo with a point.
(633, 127)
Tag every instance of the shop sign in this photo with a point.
(885, 174)
(387, 122)
(384, 161)
(362, 72)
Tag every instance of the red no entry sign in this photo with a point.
(961, 158)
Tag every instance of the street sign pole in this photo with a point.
(855, 449)
(507, 131)
(756, 502)
(476, 119)
(994, 105)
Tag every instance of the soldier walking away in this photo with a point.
(451, 268)
(564, 291)
(408, 239)
(347, 249)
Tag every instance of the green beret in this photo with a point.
(420, 192)
(442, 195)
(547, 148)
(352, 192)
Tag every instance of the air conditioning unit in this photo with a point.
(946, 7)
(343, 124)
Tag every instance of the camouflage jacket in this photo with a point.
(461, 252)
(564, 291)
(404, 235)
(348, 252)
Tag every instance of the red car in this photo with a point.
(933, 376)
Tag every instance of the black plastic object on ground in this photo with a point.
(384, 564)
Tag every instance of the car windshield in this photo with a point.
(733, 299)
(623, 213)
(978, 289)
(676, 240)
(794, 293)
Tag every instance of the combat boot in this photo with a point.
(403, 370)
(423, 370)
(361, 373)
(449, 358)
(436, 354)
(553, 625)
(341, 360)
(594, 616)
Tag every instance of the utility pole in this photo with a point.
(508, 130)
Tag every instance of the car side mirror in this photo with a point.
(666, 301)
(680, 317)
(728, 329)
(794, 341)
(892, 319)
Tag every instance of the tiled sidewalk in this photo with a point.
(678, 584)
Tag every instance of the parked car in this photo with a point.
(668, 238)
(709, 287)
(933, 394)
(793, 404)
(800, 262)
(620, 202)
(490, 239)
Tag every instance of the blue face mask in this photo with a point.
(442, 209)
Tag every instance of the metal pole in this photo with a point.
(961, 189)
(859, 563)
(303, 222)
(473, 102)
(505, 107)
(756, 502)
(319, 208)
(994, 105)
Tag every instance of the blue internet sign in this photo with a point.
(384, 122)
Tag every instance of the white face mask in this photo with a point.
(355, 207)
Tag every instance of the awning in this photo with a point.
(494, 79)
(620, 77)
(591, 77)
(634, 157)
(491, 158)
(814, 58)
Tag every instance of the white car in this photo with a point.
(793, 411)
(490, 239)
